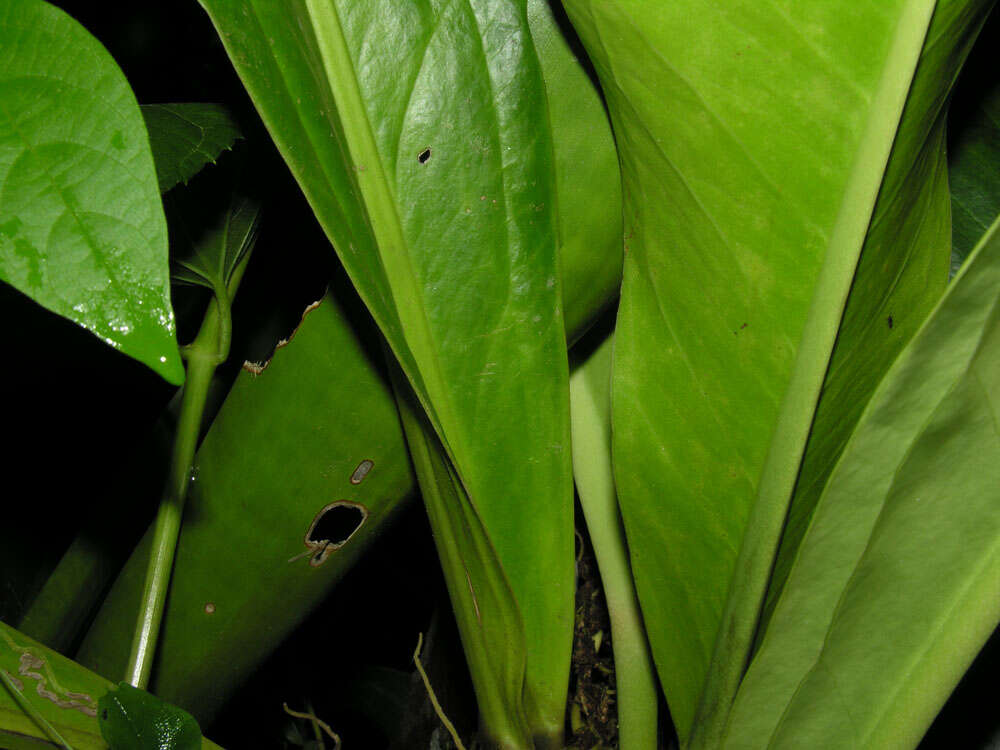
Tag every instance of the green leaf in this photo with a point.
(754, 142)
(587, 178)
(132, 719)
(894, 589)
(41, 687)
(81, 224)
(974, 147)
(212, 258)
(428, 161)
(186, 137)
(902, 272)
(283, 448)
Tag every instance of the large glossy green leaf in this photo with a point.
(754, 141)
(895, 587)
(81, 224)
(287, 444)
(185, 137)
(61, 692)
(974, 146)
(419, 132)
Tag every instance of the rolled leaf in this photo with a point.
(213, 258)
(586, 165)
(635, 677)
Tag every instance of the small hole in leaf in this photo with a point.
(362, 471)
(424, 156)
(336, 524)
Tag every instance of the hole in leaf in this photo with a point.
(331, 529)
(362, 471)
(424, 156)
(336, 524)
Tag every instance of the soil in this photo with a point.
(592, 712)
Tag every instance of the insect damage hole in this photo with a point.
(332, 528)
(424, 156)
(362, 471)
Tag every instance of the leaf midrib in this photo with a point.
(819, 334)
(384, 220)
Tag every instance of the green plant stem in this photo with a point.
(635, 678)
(203, 355)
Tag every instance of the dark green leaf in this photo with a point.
(283, 448)
(974, 146)
(186, 137)
(132, 719)
(81, 223)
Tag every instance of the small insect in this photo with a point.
(424, 156)
(889, 321)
